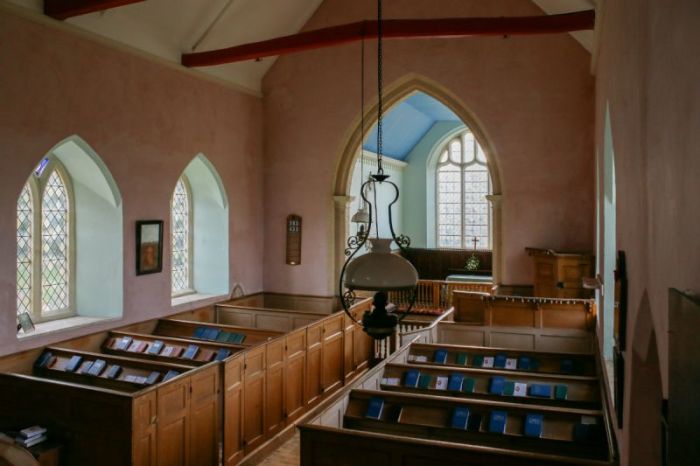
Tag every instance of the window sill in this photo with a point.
(45, 328)
(199, 298)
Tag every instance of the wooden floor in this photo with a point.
(285, 455)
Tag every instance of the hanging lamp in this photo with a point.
(379, 270)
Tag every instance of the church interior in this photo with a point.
(402, 232)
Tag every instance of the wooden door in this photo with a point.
(349, 348)
(274, 386)
(233, 410)
(332, 356)
(254, 398)
(144, 427)
(173, 423)
(314, 351)
(295, 369)
(204, 417)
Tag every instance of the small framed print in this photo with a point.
(149, 246)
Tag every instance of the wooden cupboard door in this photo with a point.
(204, 420)
(144, 427)
(274, 386)
(173, 424)
(233, 410)
(332, 354)
(314, 347)
(295, 368)
(348, 348)
(254, 398)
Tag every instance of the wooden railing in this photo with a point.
(436, 294)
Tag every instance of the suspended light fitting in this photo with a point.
(379, 270)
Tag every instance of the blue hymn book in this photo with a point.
(440, 356)
(499, 361)
(410, 378)
(497, 422)
(533, 425)
(455, 383)
(497, 385)
(460, 418)
(374, 408)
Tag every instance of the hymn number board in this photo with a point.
(294, 240)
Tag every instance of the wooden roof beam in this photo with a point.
(395, 29)
(64, 9)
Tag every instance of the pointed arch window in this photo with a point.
(463, 184)
(45, 244)
(181, 241)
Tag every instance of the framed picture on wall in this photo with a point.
(149, 246)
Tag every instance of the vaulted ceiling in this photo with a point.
(168, 28)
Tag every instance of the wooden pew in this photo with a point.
(578, 392)
(429, 417)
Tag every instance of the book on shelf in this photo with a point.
(45, 360)
(460, 418)
(468, 385)
(441, 382)
(455, 383)
(152, 378)
(497, 422)
(496, 385)
(391, 381)
(223, 337)
(206, 354)
(222, 354)
(156, 347)
(570, 366)
(478, 361)
(511, 363)
(170, 374)
(190, 352)
(533, 425)
(238, 338)
(113, 371)
(488, 361)
(421, 358)
(541, 390)
(520, 389)
(172, 351)
(462, 359)
(474, 423)
(424, 381)
(85, 368)
(135, 379)
(410, 378)
(525, 363)
(499, 361)
(33, 431)
(394, 414)
(199, 332)
(440, 356)
(30, 442)
(97, 367)
(136, 346)
(560, 392)
(73, 363)
(375, 406)
(211, 333)
(509, 388)
(123, 343)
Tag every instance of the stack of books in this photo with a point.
(31, 436)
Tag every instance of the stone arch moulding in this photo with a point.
(392, 95)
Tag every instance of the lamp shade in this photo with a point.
(361, 216)
(380, 270)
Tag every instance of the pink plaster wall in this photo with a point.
(533, 96)
(146, 121)
(648, 71)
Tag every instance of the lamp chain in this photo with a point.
(380, 79)
(362, 109)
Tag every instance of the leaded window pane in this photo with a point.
(55, 275)
(24, 250)
(180, 238)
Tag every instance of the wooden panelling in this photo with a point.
(173, 423)
(314, 362)
(294, 375)
(204, 417)
(348, 348)
(233, 410)
(144, 421)
(560, 275)
(274, 387)
(332, 353)
(254, 398)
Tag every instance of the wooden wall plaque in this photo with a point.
(293, 240)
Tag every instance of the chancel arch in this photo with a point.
(416, 173)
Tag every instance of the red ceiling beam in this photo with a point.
(64, 9)
(395, 29)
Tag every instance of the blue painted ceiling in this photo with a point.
(406, 124)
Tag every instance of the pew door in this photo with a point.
(274, 387)
(144, 427)
(204, 417)
(294, 375)
(233, 410)
(332, 356)
(349, 348)
(314, 350)
(254, 398)
(173, 423)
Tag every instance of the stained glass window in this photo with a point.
(180, 225)
(463, 182)
(25, 212)
(54, 246)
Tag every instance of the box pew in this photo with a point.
(117, 422)
(186, 329)
(540, 361)
(580, 391)
(429, 417)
